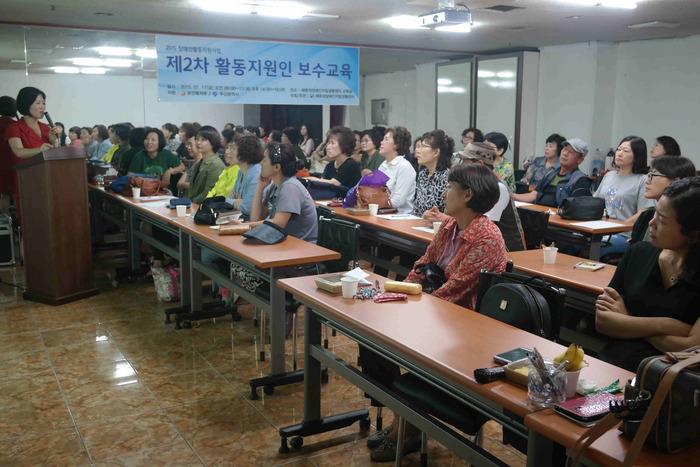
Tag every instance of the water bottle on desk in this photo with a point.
(598, 166)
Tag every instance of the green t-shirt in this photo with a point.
(142, 164)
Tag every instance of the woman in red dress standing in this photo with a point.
(8, 113)
(28, 136)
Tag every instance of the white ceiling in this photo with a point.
(538, 23)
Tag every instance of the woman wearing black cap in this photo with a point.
(28, 136)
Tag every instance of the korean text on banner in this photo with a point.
(202, 69)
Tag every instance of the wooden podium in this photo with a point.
(56, 226)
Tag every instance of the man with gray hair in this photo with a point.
(568, 181)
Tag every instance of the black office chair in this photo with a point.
(437, 403)
(534, 225)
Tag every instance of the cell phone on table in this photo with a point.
(511, 356)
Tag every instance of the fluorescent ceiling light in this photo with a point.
(653, 24)
(66, 69)
(85, 61)
(147, 53)
(117, 62)
(451, 89)
(403, 22)
(486, 74)
(628, 4)
(444, 81)
(120, 51)
(505, 74)
(466, 27)
(275, 9)
(93, 71)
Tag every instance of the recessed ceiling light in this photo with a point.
(654, 24)
(486, 74)
(66, 69)
(505, 74)
(278, 9)
(444, 81)
(93, 71)
(119, 51)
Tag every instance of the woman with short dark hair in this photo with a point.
(247, 154)
(100, 135)
(665, 146)
(154, 159)
(650, 306)
(172, 142)
(74, 137)
(434, 154)
(467, 243)
(540, 165)
(28, 136)
(501, 167)
(342, 170)
(369, 143)
(89, 144)
(206, 172)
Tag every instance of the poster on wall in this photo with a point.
(203, 69)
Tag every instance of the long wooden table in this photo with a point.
(564, 231)
(268, 262)
(393, 232)
(439, 342)
(609, 449)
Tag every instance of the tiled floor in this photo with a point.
(104, 381)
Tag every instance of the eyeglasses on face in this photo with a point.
(650, 176)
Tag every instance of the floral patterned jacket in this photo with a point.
(482, 247)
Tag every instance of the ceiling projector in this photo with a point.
(446, 17)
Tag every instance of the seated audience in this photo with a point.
(623, 189)
(275, 137)
(136, 137)
(342, 170)
(194, 156)
(664, 171)
(281, 198)
(292, 136)
(650, 306)
(61, 136)
(247, 154)
(187, 131)
(665, 146)
(467, 243)
(434, 154)
(89, 144)
(502, 167)
(369, 143)
(154, 159)
(101, 136)
(263, 133)
(470, 135)
(541, 165)
(357, 149)
(172, 140)
(119, 137)
(8, 176)
(306, 142)
(568, 181)
(402, 176)
(206, 172)
(74, 137)
(228, 176)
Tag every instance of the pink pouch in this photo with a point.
(389, 297)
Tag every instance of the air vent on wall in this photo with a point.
(501, 8)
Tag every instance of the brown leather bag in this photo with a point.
(367, 195)
(149, 186)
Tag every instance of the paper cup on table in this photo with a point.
(436, 227)
(181, 210)
(349, 285)
(571, 383)
(136, 192)
(373, 209)
(550, 254)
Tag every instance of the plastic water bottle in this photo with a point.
(598, 163)
(611, 156)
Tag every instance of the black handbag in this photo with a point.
(583, 208)
(433, 274)
(210, 209)
(518, 305)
